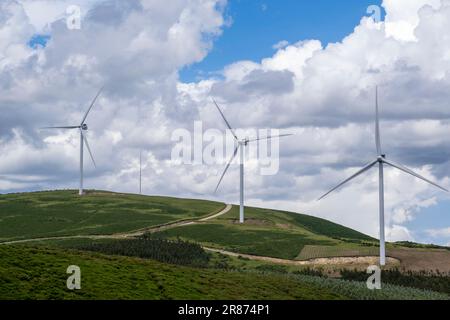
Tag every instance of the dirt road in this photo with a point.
(131, 234)
(347, 261)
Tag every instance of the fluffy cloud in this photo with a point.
(402, 17)
(331, 109)
(445, 232)
(325, 94)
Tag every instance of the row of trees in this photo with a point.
(174, 252)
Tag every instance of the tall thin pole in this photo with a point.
(241, 207)
(381, 195)
(81, 164)
(140, 172)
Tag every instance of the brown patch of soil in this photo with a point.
(422, 259)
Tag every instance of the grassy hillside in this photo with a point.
(309, 223)
(28, 272)
(266, 232)
(271, 233)
(113, 268)
(62, 213)
(40, 273)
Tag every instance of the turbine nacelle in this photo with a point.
(84, 127)
(244, 142)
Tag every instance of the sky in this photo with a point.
(306, 67)
(256, 26)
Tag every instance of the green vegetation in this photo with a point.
(36, 272)
(269, 233)
(435, 281)
(40, 273)
(171, 263)
(312, 224)
(410, 244)
(173, 252)
(256, 241)
(63, 213)
(341, 250)
(358, 290)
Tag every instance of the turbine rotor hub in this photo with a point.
(84, 127)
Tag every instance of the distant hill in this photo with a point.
(267, 233)
(43, 232)
(64, 213)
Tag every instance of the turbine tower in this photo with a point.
(381, 161)
(83, 140)
(241, 145)
(140, 171)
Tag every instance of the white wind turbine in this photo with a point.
(241, 145)
(83, 140)
(381, 161)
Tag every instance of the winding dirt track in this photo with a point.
(131, 234)
(348, 261)
(136, 233)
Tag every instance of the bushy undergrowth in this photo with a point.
(174, 252)
(410, 244)
(359, 291)
(272, 268)
(435, 281)
(310, 272)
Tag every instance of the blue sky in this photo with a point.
(259, 24)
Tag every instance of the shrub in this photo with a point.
(435, 281)
(174, 252)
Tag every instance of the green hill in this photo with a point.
(124, 245)
(40, 273)
(64, 213)
(270, 233)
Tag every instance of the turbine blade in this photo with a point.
(225, 119)
(409, 171)
(272, 137)
(70, 127)
(226, 168)
(377, 124)
(364, 169)
(90, 107)
(89, 149)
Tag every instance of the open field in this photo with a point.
(314, 251)
(422, 259)
(64, 213)
(285, 235)
(40, 273)
(270, 233)
(309, 225)
(272, 252)
(28, 272)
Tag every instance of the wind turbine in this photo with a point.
(241, 145)
(381, 161)
(83, 140)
